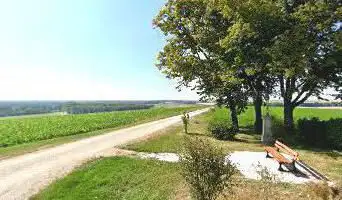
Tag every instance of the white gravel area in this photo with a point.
(250, 164)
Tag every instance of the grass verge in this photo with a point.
(117, 178)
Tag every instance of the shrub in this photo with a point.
(206, 169)
(278, 128)
(313, 131)
(185, 120)
(317, 133)
(222, 129)
(334, 133)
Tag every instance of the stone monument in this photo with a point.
(266, 137)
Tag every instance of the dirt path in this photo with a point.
(23, 176)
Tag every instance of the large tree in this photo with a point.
(293, 43)
(305, 55)
(252, 29)
(259, 45)
(196, 51)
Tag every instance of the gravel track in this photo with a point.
(23, 176)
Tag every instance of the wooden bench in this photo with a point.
(275, 152)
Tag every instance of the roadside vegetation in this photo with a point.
(168, 183)
(25, 130)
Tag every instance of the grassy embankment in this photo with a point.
(20, 135)
(166, 183)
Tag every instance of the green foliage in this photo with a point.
(116, 178)
(313, 131)
(185, 120)
(220, 125)
(278, 128)
(222, 129)
(24, 130)
(206, 169)
(320, 133)
(304, 56)
(193, 54)
(334, 131)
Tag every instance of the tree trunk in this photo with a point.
(288, 117)
(258, 114)
(234, 117)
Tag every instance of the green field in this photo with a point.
(116, 178)
(246, 119)
(14, 131)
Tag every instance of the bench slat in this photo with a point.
(276, 155)
(287, 149)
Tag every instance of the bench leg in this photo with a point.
(267, 155)
(293, 166)
(280, 167)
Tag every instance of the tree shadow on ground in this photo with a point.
(243, 140)
(248, 130)
(196, 134)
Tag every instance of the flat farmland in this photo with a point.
(14, 131)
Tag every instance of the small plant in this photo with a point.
(265, 175)
(185, 119)
(268, 182)
(206, 169)
(222, 129)
(324, 191)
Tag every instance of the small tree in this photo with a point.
(206, 169)
(185, 119)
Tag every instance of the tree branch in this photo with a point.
(298, 96)
(304, 98)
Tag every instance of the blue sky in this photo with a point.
(82, 49)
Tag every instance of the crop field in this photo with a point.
(15, 131)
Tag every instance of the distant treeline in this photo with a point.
(17, 108)
(82, 108)
(28, 108)
(314, 104)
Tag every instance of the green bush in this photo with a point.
(334, 133)
(206, 169)
(222, 129)
(278, 129)
(313, 131)
(318, 133)
(185, 120)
